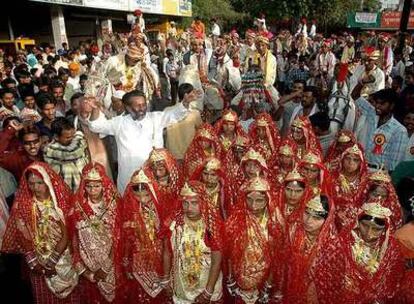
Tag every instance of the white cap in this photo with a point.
(118, 94)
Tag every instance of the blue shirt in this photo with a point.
(386, 144)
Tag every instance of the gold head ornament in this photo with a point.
(242, 141)
(187, 191)
(380, 176)
(213, 164)
(344, 138)
(355, 150)
(376, 210)
(298, 123)
(140, 178)
(230, 116)
(311, 158)
(315, 204)
(254, 155)
(93, 175)
(286, 150)
(257, 184)
(293, 176)
(157, 155)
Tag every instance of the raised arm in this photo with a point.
(97, 121)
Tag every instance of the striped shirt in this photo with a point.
(68, 161)
(384, 145)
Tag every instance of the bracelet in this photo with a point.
(210, 294)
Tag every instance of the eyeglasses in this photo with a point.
(376, 220)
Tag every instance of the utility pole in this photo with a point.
(405, 16)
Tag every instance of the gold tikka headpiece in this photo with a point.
(213, 164)
(93, 175)
(380, 176)
(187, 191)
(315, 204)
(376, 210)
(230, 116)
(140, 178)
(257, 184)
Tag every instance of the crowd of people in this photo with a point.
(207, 168)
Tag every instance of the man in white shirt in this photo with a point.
(368, 75)
(215, 31)
(136, 131)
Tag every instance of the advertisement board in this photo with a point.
(161, 7)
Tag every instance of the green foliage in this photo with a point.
(220, 9)
(327, 12)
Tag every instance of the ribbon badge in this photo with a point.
(379, 141)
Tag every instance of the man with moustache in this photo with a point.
(136, 131)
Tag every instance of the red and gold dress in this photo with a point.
(265, 135)
(349, 271)
(292, 214)
(169, 185)
(251, 244)
(302, 252)
(344, 139)
(382, 179)
(344, 190)
(242, 177)
(278, 166)
(197, 153)
(323, 185)
(95, 236)
(234, 156)
(229, 117)
(191, 244)
(35, 228)
(311, 140)
(221, 195)
(140, 255)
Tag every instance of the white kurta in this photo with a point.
(136, 138)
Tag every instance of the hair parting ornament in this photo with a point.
(213, 164)
(316, 208)
(186, 191)
(93, 175)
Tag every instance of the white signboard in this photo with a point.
(365, 17)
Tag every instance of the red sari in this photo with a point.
(139, 258)
(229, 116)
(311, 140)
(213, 238)
(169, 189)
(344, 191)
(196, 154)
(344, 139)
(314, 158)
(95, 237)
(269, 146)
(340, 279)
(251, 155)
(221, 200)
(24, 237)
(391, 201)
(287, 148)
(231, 162)
(300, 259)
(252, 249)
